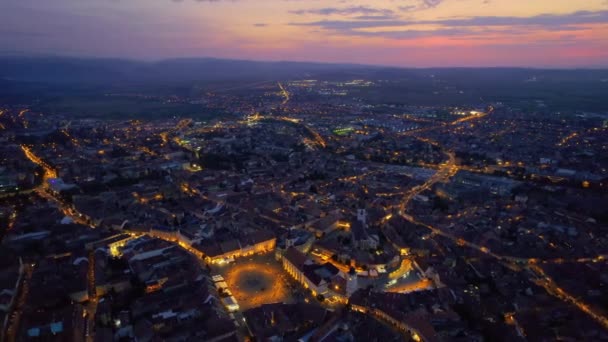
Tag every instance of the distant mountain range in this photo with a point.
(49, 81)
(78, 70)
(114, 71)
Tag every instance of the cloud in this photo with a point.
(431, 3)
(420, 5)
(353, 24)
(410, 34)
(548, 20)
(374, 17)
(353, 10)
(408, 8)
(460, 26)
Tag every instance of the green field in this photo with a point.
(343, 131)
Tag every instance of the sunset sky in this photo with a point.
(409, 33)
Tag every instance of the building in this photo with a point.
(317, 278)
(324, 225)
(57, 185)
(257, 243)
(164, 233)
(361, 237)
(300, 239)
(352, 284)
(285, 322)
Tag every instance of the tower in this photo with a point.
(362, 216)
(351, 282)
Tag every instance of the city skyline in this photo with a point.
(425, 33)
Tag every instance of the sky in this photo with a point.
(407, 33)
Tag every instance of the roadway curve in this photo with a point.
(443, 174)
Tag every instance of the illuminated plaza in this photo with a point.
(256, 281)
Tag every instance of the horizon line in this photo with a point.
(14, 54)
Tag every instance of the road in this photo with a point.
(552, 288)
(318, 139)
(49, 172)
(445, 170)
(91, 306)
(444, 173)
(14, 319)
(42, 189)
(542, 279)
(285, 94)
